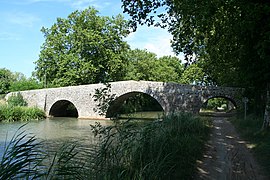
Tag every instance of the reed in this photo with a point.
(166, 149)
(161, 149)
(25, 157)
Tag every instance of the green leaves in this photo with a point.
(146, 66)
(82, 49)
(229, 36)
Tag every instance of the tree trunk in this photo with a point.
(267, 108)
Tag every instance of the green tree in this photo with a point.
(231, 37)
(25, 84)
(6, 77)
(144, 65)
(194, 74)
(84, 48)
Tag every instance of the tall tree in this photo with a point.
(84, 48)
(6, 78)
(231, 37)
(144, 65)
(194, 74)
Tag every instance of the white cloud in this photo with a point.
(83, 4)
(21, 18)
(153, 39)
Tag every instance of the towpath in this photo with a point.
(227, 156)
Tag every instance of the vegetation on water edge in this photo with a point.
(15, 110)
(250, 130)
(20, 113)
(166, 149)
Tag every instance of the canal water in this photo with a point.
(54, 131)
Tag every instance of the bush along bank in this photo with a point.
(16, 110)
(166, 149)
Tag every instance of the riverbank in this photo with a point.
(15, 109)
(20, 113)
(162, 149)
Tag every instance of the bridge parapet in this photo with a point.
(172, 97)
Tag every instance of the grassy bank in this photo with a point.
(20, 113)
(259, 141)
(15, 109)
(166, 149)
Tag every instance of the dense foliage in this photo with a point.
(144, 65)
(5, 80)
(84, 48)
(20, 113)
(14, 81)
(16, 100)
(230, 38)
(165, 149)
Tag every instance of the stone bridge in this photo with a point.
(172, 97)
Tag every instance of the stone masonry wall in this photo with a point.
(171, 96)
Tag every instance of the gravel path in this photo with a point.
(227, 156)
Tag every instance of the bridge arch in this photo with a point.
(63, 108)
(115, 107)
(232, 103)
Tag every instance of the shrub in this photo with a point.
(16, 100)
(20, 113)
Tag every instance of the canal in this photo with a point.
(54, 131)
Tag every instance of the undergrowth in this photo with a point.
(166, 149)
(161, 149)
(20, 113)
(250, 130)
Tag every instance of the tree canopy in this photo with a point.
(16, 81)
(144, 65)
(6, 78)
(84, 48)
(232, 37)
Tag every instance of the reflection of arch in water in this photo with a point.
(231, 102)
(63, 108)
(115, 107)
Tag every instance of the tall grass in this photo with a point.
(24, 157)
(165, 149)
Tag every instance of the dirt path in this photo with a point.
(227, 157)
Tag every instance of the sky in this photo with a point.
(22, 20)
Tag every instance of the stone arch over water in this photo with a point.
(233, 104)
(63, 108)
(115, 107)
